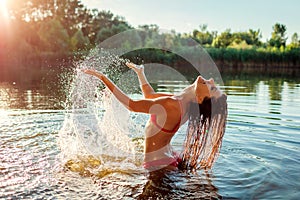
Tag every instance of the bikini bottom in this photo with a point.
(163, 162)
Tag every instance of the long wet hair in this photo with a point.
(206, 128)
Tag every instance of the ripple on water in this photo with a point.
(259, 158)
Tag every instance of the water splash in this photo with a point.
(97, 131)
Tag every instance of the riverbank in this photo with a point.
(234, 61)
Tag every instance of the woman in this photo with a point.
(168, 112)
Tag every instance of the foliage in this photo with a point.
(251, 38)
(108, 32)
(223, 40)
(54, 37)
(295, 43)
(79, 41)
(67, 27)
(278, 38)
(203, 36)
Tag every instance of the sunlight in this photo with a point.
(4, 98)
(3, 10)
(4, 105)
(3, 115)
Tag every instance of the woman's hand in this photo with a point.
(137, 68)
(93, 72)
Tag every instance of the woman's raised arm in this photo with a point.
(147, 89)
(132, 105)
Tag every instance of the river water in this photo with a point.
(259, 158)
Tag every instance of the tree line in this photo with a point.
(39, 31)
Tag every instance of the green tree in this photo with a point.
(278, 37)
(203, 36)
(151, 37)
(295, 41)
(54, 36)
(72, 14)
(255, 37)
(31, 10)
(223, 40)
(147, 32)
(107, 32)
(104, 24)
(79, 41)
(250, 37)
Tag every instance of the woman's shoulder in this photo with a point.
(171, 99)
(170, 103)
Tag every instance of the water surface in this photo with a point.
(259, 158)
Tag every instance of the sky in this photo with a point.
(184, 16)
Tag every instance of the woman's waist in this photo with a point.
(161, 153)
(161, 159)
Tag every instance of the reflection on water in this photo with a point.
(15, 97)
(164, 184)
(48, 91)
(259, 158)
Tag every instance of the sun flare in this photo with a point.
(3, 9)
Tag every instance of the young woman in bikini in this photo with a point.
(202, 103)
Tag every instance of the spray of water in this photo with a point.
(96, 133)
(97, 127)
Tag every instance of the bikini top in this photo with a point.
(174, 130)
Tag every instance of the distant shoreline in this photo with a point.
(232, 61)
